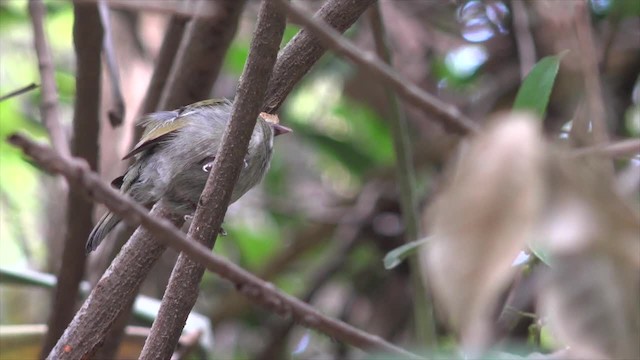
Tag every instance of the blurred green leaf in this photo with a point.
(256, 241)
(535, 90)
(625, 8)
(289, 32)
(12, 12)
(66, 83)
(367, 130)
(397, 255)
(236, 57)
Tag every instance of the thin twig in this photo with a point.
(450, 116)
(182, 291)
(117, 112)
(405, 175)
(49, 105)
(18, 92)
(257, 290)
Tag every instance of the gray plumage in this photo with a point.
(174, 157)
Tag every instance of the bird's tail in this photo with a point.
(100, 231)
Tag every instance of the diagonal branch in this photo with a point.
(450, 116)
(304, 50)
(182, 291)
(260, 292)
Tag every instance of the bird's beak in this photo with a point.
(279, 129)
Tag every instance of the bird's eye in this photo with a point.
(207, 167)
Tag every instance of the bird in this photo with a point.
(175, 154)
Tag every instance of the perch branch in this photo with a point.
(260, 292)
(182, 291)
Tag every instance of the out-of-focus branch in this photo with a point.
(188, 343)
(49, 104)
(50, 118)
(174, 8)
(524, 38)
(182, 291)
(168, 50)
(117, 112)
(621, 149)
(405, 175)
(596, 111)
(107, 297)
(304, 50)
(201, 53)
(164, 63)
(18, 92)
(450, 116)
(87, 35)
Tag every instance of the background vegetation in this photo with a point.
(559, 192)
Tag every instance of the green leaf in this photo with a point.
(535, 90)
(397, 255)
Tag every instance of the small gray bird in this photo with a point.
(175, 155)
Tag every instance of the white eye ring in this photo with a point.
(207, 167)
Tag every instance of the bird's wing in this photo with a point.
(161, 125)
(156, 131)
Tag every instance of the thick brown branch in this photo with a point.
(450, 116)
(87, 39)
(95, 316)
(182, 291)
(304, 50)
(201, 53)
